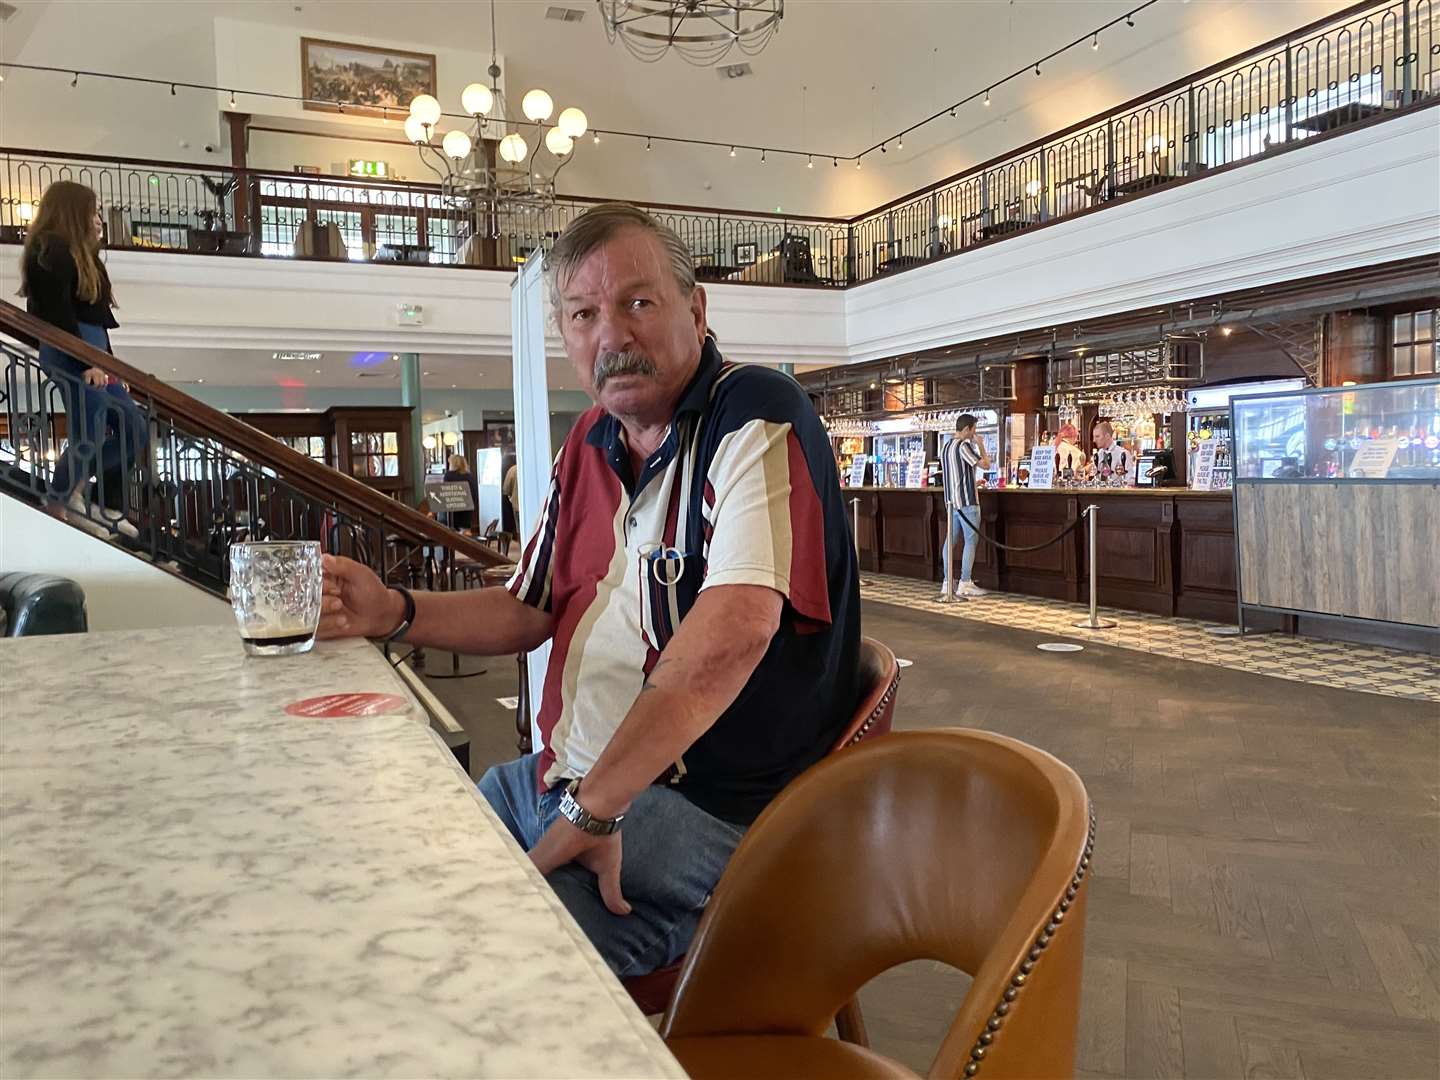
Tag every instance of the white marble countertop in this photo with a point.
(195, 884)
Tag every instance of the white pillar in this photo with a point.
(532, 429)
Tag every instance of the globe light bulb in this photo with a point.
(558, 143)
(426, 109)
(476, 99)
(415, 131)
(573, 122)
(513, 148)
(456, 144)
(537, 106)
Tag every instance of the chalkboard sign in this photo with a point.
(449, 497)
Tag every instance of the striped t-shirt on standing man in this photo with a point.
(958, 462)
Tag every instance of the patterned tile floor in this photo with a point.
(1328, 663)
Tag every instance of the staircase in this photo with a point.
(206, 479)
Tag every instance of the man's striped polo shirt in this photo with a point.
(742, 492)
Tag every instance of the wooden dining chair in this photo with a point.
(965, 847)
(879, 682)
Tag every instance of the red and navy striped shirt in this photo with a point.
(743, 491)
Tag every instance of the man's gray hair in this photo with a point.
(596, 226)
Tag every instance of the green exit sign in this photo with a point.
(361, 167)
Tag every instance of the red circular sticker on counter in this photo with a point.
(341, 705)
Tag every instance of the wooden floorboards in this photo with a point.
(1266, 878)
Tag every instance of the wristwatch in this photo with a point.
(582, 819)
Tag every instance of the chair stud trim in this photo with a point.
(985, 1043)
(877, 712)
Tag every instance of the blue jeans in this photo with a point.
(108, 431)
(673, 854)
(972, 541)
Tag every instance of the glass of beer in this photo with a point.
(275, 593)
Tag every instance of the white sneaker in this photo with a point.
(969, 589)
(75, 515)
(946, 597)
(121, 524)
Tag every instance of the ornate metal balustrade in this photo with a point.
(1367, 62)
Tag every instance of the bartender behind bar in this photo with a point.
(1111, 457)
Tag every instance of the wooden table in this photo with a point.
(195, 883)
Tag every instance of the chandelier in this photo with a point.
(466, 169)
(701, 31)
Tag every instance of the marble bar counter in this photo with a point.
(1170, 551)
(195, 883)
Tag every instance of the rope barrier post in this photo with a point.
(1094, 622)
(948, 562)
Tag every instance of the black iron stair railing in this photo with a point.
(192, 480)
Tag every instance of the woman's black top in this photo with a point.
(50, 283)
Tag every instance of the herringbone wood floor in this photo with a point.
(1267, 871)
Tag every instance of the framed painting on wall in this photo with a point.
(368, 80)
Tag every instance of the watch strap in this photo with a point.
(407, 619)
(571, 810)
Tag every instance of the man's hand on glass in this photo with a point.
(355, 602)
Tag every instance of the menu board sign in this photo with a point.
(915, 468)
(1042, 467)
(1204, 478)
(1374, 458)
(857, 469)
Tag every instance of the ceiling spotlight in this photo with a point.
(834, 163)
(1226, 330)
(901, 144)
(952, 110)
(857, 164)
(75, 81)
(232, 99)
(172, 86)
(1037, 71)
(647, 142)
(762, 157)
(732, 151)
(809, 162)
(883, 150)
(1095, 41)
(1130, 19)
(597, 138)
(987, 99)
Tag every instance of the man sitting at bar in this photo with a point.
(694, 572)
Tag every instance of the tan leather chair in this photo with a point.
(960, 846)
(875, 712)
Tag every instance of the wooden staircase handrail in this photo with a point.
(313, 478)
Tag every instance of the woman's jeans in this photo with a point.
(961, 526)
(108, 431)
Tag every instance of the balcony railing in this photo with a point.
(1366, 63)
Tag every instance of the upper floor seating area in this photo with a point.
(1368, 63)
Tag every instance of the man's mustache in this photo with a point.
(610, 364)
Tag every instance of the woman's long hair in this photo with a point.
(67, 216)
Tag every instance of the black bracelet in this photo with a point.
(409, 617)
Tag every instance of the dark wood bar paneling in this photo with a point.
(1170, 552)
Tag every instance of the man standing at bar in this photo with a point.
(693, 569)
(958, 461)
